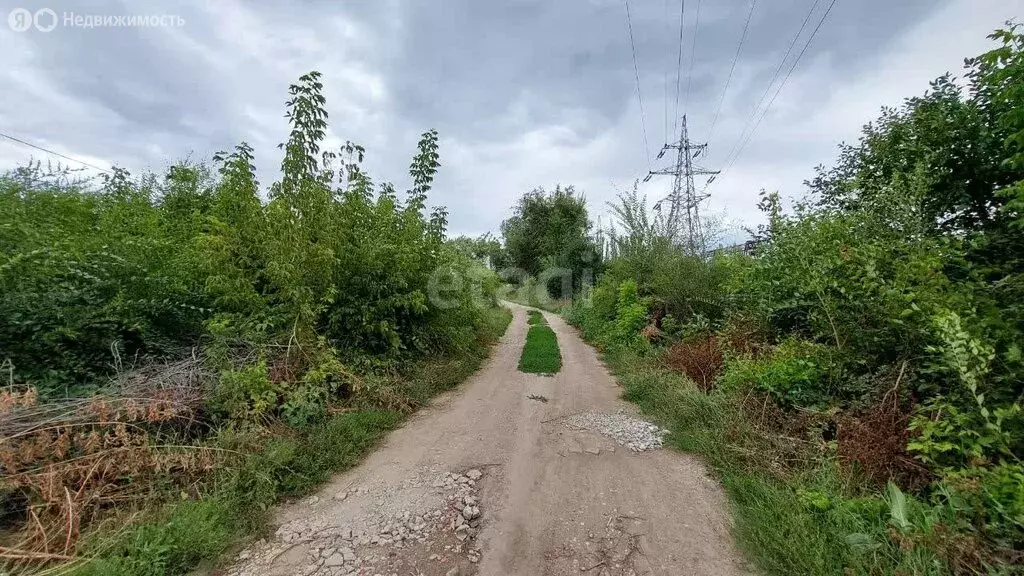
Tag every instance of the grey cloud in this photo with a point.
(523, 92)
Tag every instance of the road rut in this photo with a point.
(552, 500)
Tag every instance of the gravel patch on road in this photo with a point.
(633, 433)
(441, 524)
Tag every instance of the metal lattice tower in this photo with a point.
(684, 202)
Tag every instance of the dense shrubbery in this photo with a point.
(91, 279)
(876, 332)
(548, 250)
(323, 293)
(95, 279)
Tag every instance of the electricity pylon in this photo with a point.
(683, 220)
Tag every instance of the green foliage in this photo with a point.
(246, 393)
(540, 353)
(989, 501)
(612, 314)
(946, 166)
(548, 237)
(485, 249)
(959, 429)
(96, 279)
(630, 314)
(850, 281)
(685, 285)
(949, 141)
(893, 294)
(91, 279)
(795, 374)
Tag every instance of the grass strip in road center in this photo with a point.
(535, 318)
(540, 354)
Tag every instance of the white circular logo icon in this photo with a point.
(20, 19)
(45, 20)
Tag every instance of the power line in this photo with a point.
(40, 148)
(679, 66)
(789, 73)
(636, 72)
(668, 31)
(693, 53)
(778, 70)
(728, 80)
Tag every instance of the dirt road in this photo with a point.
(543, 498)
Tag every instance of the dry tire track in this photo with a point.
(543, 498)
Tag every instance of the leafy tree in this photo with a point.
(548, 231)
(997, 86)
(485, 248)
(952, 144)
(96, 277)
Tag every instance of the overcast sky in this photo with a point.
(524, 93)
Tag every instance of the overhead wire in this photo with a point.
(679, 66)
(668, 30)
(639, 95)
(732, 69)
(789, 73)
(693, 53)
(778, 71)
(58, 154)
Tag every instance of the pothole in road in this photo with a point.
(614, 549)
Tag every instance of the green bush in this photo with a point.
(795, 374)
(612, 314)
(95, 279)
(892, 294)
(630, 316)
(990, 502)
(853, 283)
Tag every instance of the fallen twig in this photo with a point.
(14, 554)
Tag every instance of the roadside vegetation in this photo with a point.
(178, 352)
(531, 293)
(857, 384)
(540, 352)
(548, 252)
